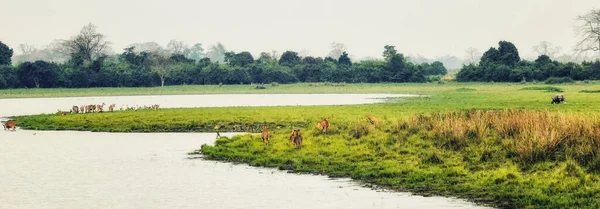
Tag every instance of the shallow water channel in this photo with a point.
(74, 170)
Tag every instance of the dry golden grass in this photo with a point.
(534, 135)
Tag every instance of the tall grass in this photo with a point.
(533, 135)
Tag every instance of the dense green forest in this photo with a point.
(504, 64)
(144, 69)
(86, 64)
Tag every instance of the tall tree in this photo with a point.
(149, 47)
(27, 48)
(38, 74)
(196, 52)
(509, 55)
(588, 29)
(389, 52)
(241, 59)
(88, 44)
(336, 50)
(5, 54)
(178, 47)
(344, 60)
(216, 53)
(546, 48)
(163, 67)
(289, 58)
(473, 55)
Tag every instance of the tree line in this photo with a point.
(503, 64)
(89, 66)
(85, 63)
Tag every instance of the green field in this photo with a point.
(526, 153)
(287, 88)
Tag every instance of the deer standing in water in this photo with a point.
(9, 124)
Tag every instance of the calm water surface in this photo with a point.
(74, 170)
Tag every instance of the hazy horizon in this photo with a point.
(428, 28)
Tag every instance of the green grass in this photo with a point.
(250, 89)
(400, 152)
(544, 88)
(590, 91)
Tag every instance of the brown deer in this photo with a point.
(100, 107)
(9, 124)
(296, 138)
(111, 107)
(265, 134)
(372, 120)
(324, 125)
(75, 109)
(82, 109)
(62, 112)
(155, 107)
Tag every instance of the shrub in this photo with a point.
(558, 80)
(544, 88)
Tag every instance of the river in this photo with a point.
(74, 170)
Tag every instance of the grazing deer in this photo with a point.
(372, 120)
(62, 112)
(265, 134)
(324, 125)
(90, 108)
(82, 109)
(296, 138)
(155, 107)
(100, 107)
(9, 124)
(75, 109)
(111, 107)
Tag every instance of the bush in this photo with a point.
(466, 89)
(434, 78)
(557, 80)
(544, 88)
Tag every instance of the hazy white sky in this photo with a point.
(427, 27)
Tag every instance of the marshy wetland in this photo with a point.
(503, 145)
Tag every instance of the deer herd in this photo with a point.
(296, 138)
(99, 108)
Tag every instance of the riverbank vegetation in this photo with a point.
(491, 143)
(507, 158)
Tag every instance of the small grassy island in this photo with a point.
(496, 143)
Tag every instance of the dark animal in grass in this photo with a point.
(296, 138)
(9, 124)
(559, 98)
(265, 135)
(75, 109)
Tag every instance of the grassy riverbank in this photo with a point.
(544, 156)
(426, 88)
